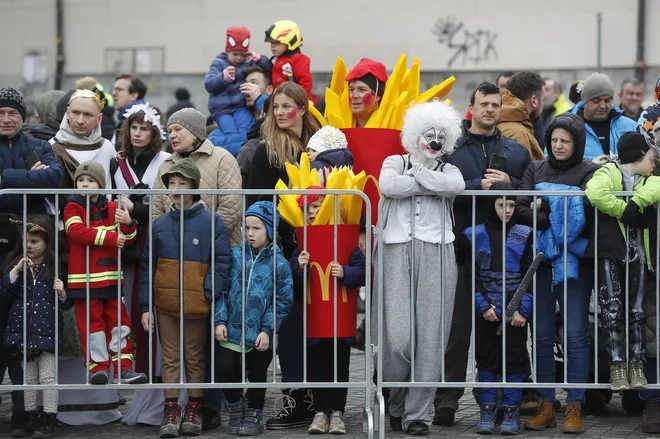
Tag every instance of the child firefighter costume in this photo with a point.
(415, 245)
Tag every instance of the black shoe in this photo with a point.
(395, 423)
(46, 426)
(595, 402)
(23, 424)
(360, 337)
(292, 414)
(308, 405)
(444, 416)
(211, 417)
(418, 428)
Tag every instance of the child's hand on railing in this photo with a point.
(58, 286)
(221, 333)
(263, 341)
(122, 216)
(121, 240)
(303, 260)
(338, 271)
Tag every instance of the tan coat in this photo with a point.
(218, 170)
(516, 124)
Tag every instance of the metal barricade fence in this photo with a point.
(374, 414)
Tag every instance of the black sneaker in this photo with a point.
(23, 424)
(444, 416)
(46, 426)
(291, 414)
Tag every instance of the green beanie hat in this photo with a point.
(188, 169)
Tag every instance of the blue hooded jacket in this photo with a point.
(258, 293)
(226, 97)
(551, 241)
(618, 125)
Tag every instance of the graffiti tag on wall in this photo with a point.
(466, 46)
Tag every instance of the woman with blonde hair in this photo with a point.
(286, 132)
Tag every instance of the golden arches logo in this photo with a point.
(325, 278)
(375, 182)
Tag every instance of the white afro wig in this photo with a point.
(436, 114)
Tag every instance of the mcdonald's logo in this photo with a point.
(325, 278)
(375, 182)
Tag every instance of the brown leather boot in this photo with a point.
(573, 420)
(545, 417)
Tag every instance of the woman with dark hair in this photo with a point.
(565, 169)
(286, 130)
(136, 167)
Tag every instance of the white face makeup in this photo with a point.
(432, 142)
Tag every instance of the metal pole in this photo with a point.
(599, 40)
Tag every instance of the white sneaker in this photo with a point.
(337, 425)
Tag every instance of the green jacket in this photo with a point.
(605, 181)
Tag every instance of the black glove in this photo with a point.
(630, 215)
(647, 219)
(138, 197)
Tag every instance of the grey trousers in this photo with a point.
(430, 297)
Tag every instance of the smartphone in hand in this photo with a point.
(31, 159)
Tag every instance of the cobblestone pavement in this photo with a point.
(615, 423)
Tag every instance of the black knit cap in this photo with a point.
(632, 146)
(574, 125)
(10, 97)
(377, 86)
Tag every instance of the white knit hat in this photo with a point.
(327, 138)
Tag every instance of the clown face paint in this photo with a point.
(432, 142)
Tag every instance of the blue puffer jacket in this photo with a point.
(198, 266)
(619, 124)
(227, 97)
(332, 158)
(551, 241)
(258, 292)
(41, 313)
(232, 129)
(14, 172)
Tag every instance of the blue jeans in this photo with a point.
(576, 327)
(650, 372)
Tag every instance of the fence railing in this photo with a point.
(374, 414)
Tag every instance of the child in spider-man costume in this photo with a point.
(223, 81)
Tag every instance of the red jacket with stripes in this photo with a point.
(101, 237)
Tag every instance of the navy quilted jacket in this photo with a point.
(41, 314)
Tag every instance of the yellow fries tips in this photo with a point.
(317, 114)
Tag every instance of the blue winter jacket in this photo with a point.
(15, 174)
(551, 241)
(232, 129)
(41, 313)
(618, 125)
(225, 97)
(258, 292)
(198, 266)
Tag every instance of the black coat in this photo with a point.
(472, 157)
(41, 314)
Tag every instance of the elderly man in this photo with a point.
(605, 122)
(25, 162)
(79, 138)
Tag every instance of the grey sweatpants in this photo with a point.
(434, 277)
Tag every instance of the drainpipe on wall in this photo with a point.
(59, 41)
(640, 64)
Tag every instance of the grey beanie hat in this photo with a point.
(190, 119)
(597, 84)
(10, 97)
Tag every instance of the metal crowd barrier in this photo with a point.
(374, 414)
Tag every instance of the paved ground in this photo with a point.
(614, 424)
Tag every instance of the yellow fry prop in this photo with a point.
(401, 92)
